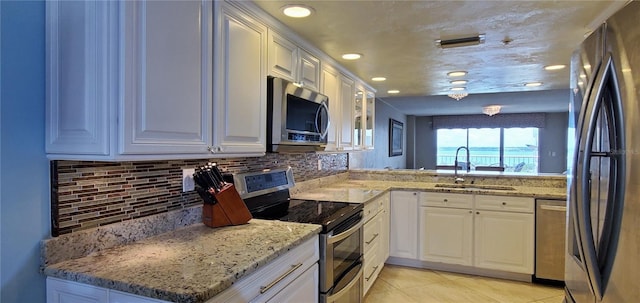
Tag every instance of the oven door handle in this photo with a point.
(345, 234)
(347, 288)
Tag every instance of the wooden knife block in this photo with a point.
(229, 209)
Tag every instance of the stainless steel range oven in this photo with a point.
(266, 194)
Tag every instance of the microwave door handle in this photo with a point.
(326, 129)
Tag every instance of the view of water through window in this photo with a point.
(515, 149)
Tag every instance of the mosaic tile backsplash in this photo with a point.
(90, 194)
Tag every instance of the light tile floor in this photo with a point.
(412, 285)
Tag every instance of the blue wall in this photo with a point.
(24, 169)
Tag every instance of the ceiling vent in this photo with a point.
(458, 42)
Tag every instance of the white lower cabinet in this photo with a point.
(504, 230)
(301, 289)
(376, 245)
(446, 235)
(403, 232)
(478, 231)
(292, 277)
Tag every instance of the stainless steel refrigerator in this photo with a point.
(602, 262)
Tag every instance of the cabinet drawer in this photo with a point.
(505, 203)
(372, 233)
(371, 267)
(446, 200)
(270, 279)
(372, 208)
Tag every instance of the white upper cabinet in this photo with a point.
(166, 74)
(347, 100)
(161, 80)
(330, 79)
(363, 118)
(128, 80)
(288, 61)
(135, 80)
(241, 82)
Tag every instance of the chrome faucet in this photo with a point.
(455, 164)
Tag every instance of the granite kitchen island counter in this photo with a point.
(190, 264)
(363, 185)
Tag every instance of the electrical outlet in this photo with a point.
(187, 179)
(319, 164)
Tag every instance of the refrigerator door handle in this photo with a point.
(585, 228)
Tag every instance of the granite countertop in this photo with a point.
(360, 191)
(190, 264)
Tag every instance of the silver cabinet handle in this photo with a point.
(371, 275)
(293, 268)
(374, 237)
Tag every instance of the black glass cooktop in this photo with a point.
(325, 213)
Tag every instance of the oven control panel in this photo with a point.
(253, 184)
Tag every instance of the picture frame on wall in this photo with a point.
(396, 129)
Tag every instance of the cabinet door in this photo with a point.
(309, 74)
(330, 87)
(240, 90)
(283, 57)
(303, 289)
(167, 77)
(446, 235)
(504, 241)
(384, 229)
(347, 99)
(369, 125)
(60, 291)
(404, 225)
(80, 68)
(359, 118)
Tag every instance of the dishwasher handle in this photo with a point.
(553, 207)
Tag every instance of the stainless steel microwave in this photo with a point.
(298, 118)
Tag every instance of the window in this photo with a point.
(515, 149)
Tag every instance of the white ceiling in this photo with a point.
(397, 41)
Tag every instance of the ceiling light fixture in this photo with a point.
(297, 10)
(491, 110)
(458, 42)
(352, 56)
(393, 91)
(555, 67)
(457, 74)
(457, 93)
(458, 82)
(533, 84)
(378, 79)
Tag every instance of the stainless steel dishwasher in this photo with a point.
(551, 218)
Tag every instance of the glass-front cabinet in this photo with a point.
(363, 122)
(370, 105)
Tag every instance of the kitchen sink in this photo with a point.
(473, 186)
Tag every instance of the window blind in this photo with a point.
(484, 121)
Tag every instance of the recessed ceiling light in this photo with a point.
(378, 79)
(587, 66)
(393, 91)
(533, 84)
(580, 83)
(458, 82)
(297, 10)
(457, 88)
(457, 74)
(555, 67)
(583, 76)
(352, 56)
